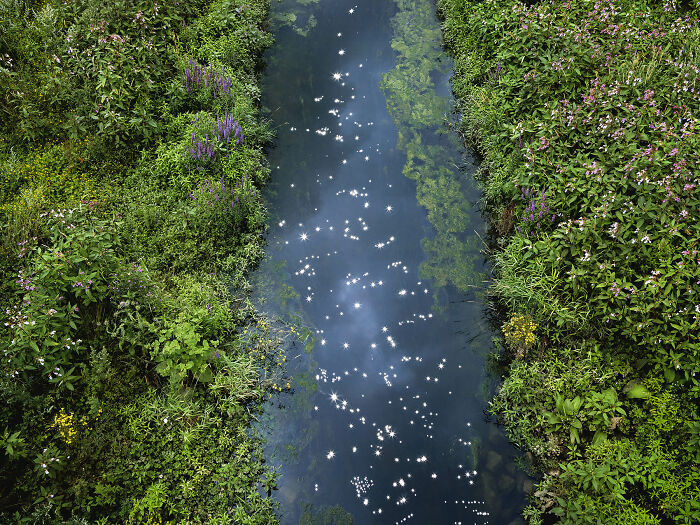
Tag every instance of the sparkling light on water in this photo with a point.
(384, 364)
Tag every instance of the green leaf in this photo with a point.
(568, 407)
(574, 435)
(560, 404)
(552, 418)
(205, 376)
(599, 437)
(577, 403)
(610, 395)
(669, 374)
(636, 390)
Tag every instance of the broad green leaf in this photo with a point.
(636, 390)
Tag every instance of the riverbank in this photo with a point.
(131, 164)
(585, 115)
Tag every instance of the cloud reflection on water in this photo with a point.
(385, 420)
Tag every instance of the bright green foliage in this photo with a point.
(133, 360)
(181, 350)
(586, 114)
(566, 416)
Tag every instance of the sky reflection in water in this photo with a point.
(386, 423)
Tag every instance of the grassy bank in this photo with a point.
(585, 114)
(133, 363)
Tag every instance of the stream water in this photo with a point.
(375, 252)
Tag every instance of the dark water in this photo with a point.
(375, 247)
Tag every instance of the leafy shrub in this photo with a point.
(175, 233)
(48, 178)
(205, 302)
(149, 510)
(527, 281)
(100, 72)
(180, 350)
(230, 33)
(64, 293)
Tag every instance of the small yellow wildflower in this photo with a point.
(519, 332)
(63, 423)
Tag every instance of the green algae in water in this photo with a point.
(326, 515)
(380, 348)
(295, 15)
(419, 113)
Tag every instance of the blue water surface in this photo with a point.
(386, 423)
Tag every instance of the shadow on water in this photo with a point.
(375, 248)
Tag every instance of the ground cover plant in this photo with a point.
(586, 114)
(133, 362)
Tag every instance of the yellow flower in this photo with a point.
(63, 423)
(519, 332)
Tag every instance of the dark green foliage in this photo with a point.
(86, 68)
(133, 361)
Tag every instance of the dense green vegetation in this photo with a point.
(585, 114)
(133, 362)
